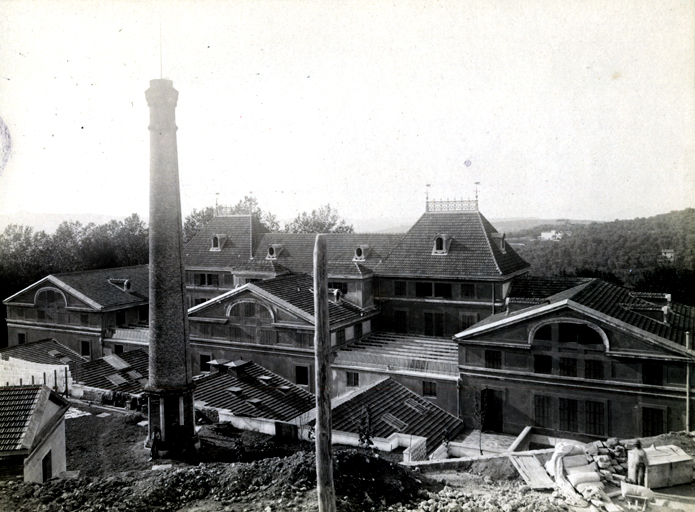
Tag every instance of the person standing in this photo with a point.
(637, 464)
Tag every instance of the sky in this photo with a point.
(576, 109)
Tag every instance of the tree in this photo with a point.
(323, 220)
(195, 221)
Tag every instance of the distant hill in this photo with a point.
(512, 226)
(48, 222)
(626, 248)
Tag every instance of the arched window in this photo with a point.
(250, 312)
(439, 244)
(215, 242)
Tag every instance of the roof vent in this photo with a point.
(391, 420)
(218, 365)
(121, 284)
(274, 251)
(441, 244)
(337, 295)
(361, 253)
(237, 368)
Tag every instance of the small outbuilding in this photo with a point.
(32, 433)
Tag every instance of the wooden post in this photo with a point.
(322, 348)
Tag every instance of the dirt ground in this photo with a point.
(249, 472)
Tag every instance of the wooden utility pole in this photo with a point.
(322, 347)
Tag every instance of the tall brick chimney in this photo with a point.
(170, 387)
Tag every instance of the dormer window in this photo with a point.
(441, 244)
(498, 238)
(217, 242)
(361, 253)
(274, 251)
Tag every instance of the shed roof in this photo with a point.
(47, 351)
(258, 393)
(127, 372)
(394, 409)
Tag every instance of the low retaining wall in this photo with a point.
(466, 463)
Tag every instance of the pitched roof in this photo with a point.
(534, 287)
(20, 411)
(259, 393)
(236, 247)
(294, 292)
(127, 372)
(401, 352)
(47, 351)
(392, 405)
(607, 299)
(102, 288)
(296, 252)
(297, 289)
(473, 251)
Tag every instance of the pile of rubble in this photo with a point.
(504, 497)
(363, 482)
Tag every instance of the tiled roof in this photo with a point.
(297, 289)
(95, 285)
(472, 252)
(533, 287)
(400, 352)
(127, 372)
(46, 351)
(416, 415)
(21, 408)
(616, 302)
(297, 249)
(236, 248)
(259, 394)
(17, 404)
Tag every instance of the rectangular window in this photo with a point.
(228, 280)
(304, 339)
(468, 320)
(301, 375)
(541, 406)
(206, 279)
(85, 348)
(251, 280)
(338, 285)
(653, 374)
(353, 379)
(400, 321)
(568, 367)
(266, 336)
(593, 369)
(569, 415)
(41, 315)
(484, 291)
(118, 349)
(204, 360)
(442, 290)
(21, 338)
(198, 301)
(493, 359)
(429, 388)
(47, 466)
(358, 331)
(542, 364)
(595, 418)
(84, 319)
(434, 324)
(144, 314)
(340, 336)
(120, 317)
(399, 288)
(249, 309)
(467, 291)
(652, 422)
(423, 289)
